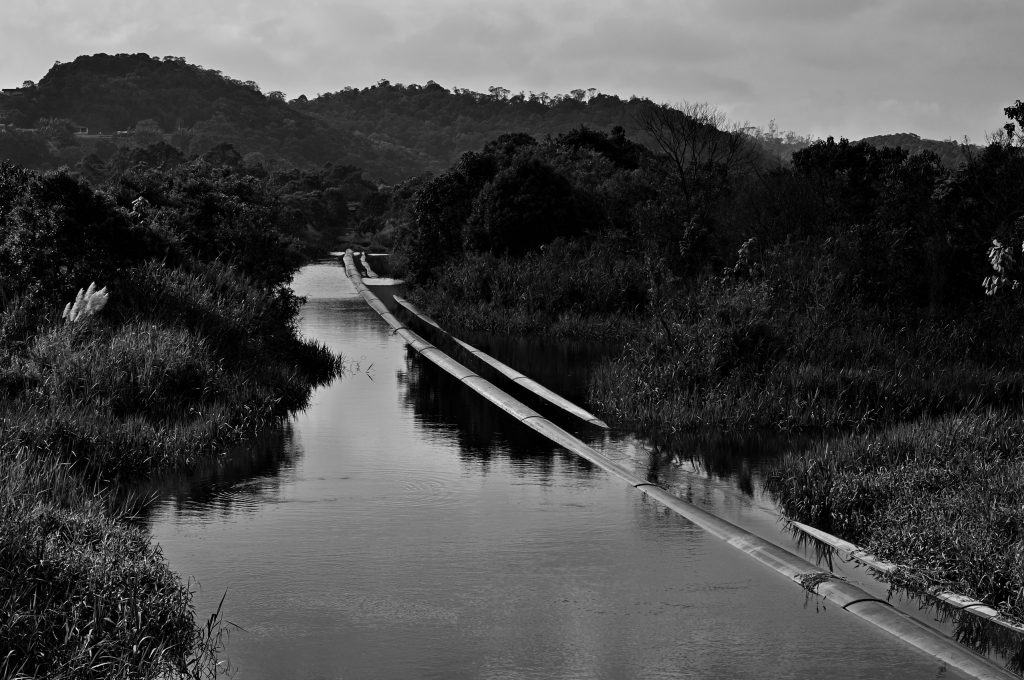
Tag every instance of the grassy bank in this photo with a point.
(941, 497)
(194, 349)
(84, 593)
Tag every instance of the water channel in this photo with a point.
(402, 527)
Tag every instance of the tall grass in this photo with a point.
(571, 289)
(84, 594)
(939, 496)
(152, 387)
(929, 473)
(759, 354)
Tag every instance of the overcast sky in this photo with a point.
(940, 68)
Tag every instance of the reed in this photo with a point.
(93, 597)
(569, 290)
(940, 496)
(749, 354)
(87, 303)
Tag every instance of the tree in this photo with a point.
(849, 176)
(526, 205)
(615, 147)
(1016, 114)
(223, 154)
(56, 231)
(702, 152)
(508, 144)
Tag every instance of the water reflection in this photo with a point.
(439, 401)
(248, 475)
(562, 367)
(984, 636)
(739, 457)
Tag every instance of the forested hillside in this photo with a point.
(136, 100)
(96, 105)
(100, 103)
(441, 124)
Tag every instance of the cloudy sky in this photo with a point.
(940, 68)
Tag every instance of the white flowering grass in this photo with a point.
(87, 303)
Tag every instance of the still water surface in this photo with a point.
(401, 527)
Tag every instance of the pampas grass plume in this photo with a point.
(86, 303)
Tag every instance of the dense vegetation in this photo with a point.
(317, 206)
(194, 348)
(840, 291)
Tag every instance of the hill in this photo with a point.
(951, 153)
(99, 103)
(137, 100)
(438, 125)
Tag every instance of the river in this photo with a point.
(401, 527)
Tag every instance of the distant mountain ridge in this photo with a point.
(392, 131)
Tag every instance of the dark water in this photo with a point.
(401, 527)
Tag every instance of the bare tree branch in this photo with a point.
(699, 144)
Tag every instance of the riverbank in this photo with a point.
(185, 349)
(939, 496)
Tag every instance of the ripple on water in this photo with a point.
(427, 488)
(376, 608)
